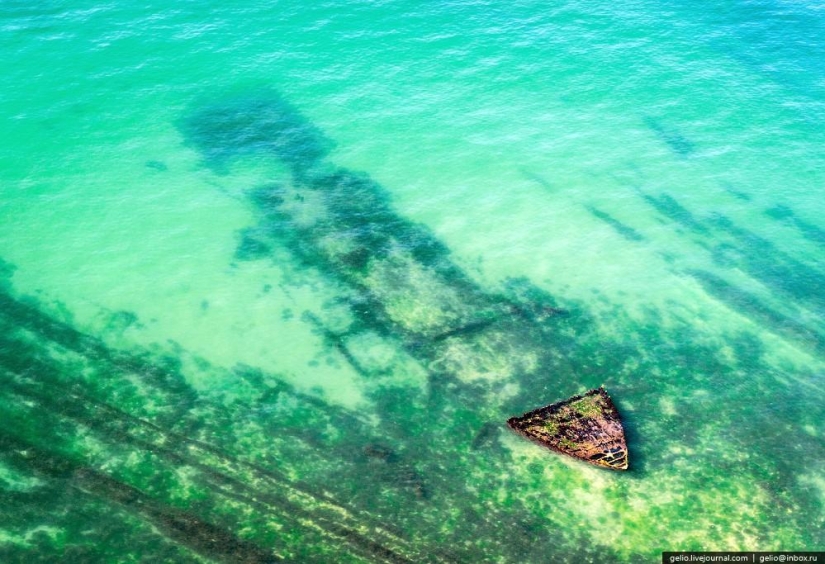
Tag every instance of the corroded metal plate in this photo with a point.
(587, 427)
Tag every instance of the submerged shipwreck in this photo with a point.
(587, 427)
(400, 280)
(190, 474)
(110, 445)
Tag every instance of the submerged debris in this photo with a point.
(381, 453)
(587, 427)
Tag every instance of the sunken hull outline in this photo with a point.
(585, 427)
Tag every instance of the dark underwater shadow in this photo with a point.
(259, 122)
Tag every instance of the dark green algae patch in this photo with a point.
(125, 431)
(475, 343)
(112, 454)
(128, 457)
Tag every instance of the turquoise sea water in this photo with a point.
(275, 274)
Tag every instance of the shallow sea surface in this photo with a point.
(275, 274)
